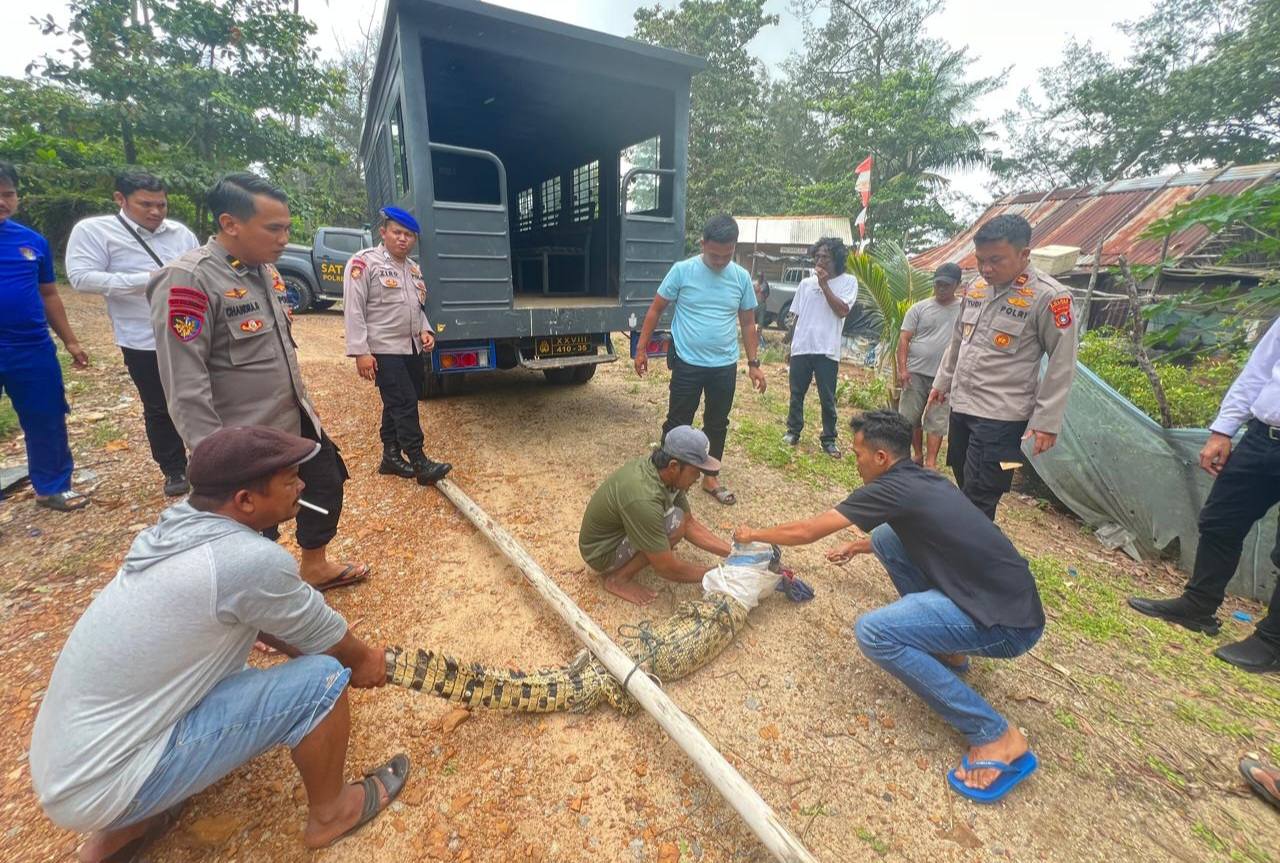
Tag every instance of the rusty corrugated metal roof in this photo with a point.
(1119, 212)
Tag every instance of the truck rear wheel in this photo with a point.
(582, 374)
(297, 294)
(559, 376)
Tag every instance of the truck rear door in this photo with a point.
(650, 242)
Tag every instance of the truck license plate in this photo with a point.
(563, 346)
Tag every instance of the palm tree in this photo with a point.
(887, 275)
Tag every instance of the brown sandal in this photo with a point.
(346, 578)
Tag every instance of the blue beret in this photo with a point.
(396, 214)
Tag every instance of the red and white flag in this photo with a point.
(862, 183)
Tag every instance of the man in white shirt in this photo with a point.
(1246, 486)
(820, 305)
(115, 256)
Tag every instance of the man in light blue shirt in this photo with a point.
(713, 300)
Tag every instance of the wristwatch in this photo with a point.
(753, 364)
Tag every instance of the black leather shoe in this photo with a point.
(393, 464)
(176, 484)
(1179, 611)
(430, 472)
(1253, 654)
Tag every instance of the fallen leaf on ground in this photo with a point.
(453, 719)
(668, 852)
(769, 732)
(215, 830)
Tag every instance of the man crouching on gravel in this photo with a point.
(151, 701)
(964, 590)
(639, 514)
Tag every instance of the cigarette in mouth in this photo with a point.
(312, 506)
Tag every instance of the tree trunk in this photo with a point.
(126, 138)
(1136, 329)
(1093, 281)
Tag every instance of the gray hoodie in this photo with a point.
(180, 616)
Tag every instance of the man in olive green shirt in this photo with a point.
(641, 512)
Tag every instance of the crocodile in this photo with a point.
(685, 642)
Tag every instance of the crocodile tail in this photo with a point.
(576, 686)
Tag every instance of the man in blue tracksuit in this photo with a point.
(29, 372)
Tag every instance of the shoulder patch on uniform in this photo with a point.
(185, 326)
(1060, 307)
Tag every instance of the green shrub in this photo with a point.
(1194, 391)
(871, 394)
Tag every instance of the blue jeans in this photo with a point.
(242, 717)
(904, 637)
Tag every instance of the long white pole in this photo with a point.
(729, 782)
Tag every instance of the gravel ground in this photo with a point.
(1138, 729)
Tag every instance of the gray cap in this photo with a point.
(687, 444)
(948, 272)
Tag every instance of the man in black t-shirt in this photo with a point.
(965, 591)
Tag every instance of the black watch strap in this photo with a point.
(753, 364)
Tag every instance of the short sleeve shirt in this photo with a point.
(631, 504)
(817, 325)
(25, 264)
(960, 551)
(931, 325)
(705, 321)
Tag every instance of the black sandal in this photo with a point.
(1247, 766)
(392, 776)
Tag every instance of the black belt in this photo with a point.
(1270, 431)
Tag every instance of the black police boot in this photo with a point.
(1253, 655)
(176, 483)
(1181, 611)
(393, 464)
(428, 472)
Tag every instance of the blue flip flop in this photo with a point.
(1010, 775)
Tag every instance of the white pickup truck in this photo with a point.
(781, 294)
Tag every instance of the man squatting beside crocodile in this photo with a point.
(964, 590)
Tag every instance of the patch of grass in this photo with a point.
(1088, 604)
(1213, 719)
(1066, 718)
(1169, 774)
(1251, 853)
(1205, 834)
(868, 395)
(8, 420)
(819, 808)
(763, 443)
(773, 353)
(877, 844)
(449, 768)
(1275, 753)
(104, 432)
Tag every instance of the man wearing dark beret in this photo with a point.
(151, 701)
(384, 306)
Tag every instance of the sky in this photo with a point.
(1021, 37)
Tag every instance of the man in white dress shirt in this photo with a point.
(115, 256)
(1246, 486)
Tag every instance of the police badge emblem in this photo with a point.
(185, 327)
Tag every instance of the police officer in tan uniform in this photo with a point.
(1012, 316)
(226, 353)
(383, 295)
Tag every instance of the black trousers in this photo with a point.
(400, 379)
(690, 385)
(166, 444)
(323, 475)
(975, 448)
(824, 370)
(1248, 486)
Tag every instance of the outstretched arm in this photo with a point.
(796, 532)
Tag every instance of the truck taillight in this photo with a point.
(464, 359)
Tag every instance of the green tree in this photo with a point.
(187, 88)
(731, 167)
(871, 84)
(1199, 86)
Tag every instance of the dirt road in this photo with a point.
(1138, 729)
